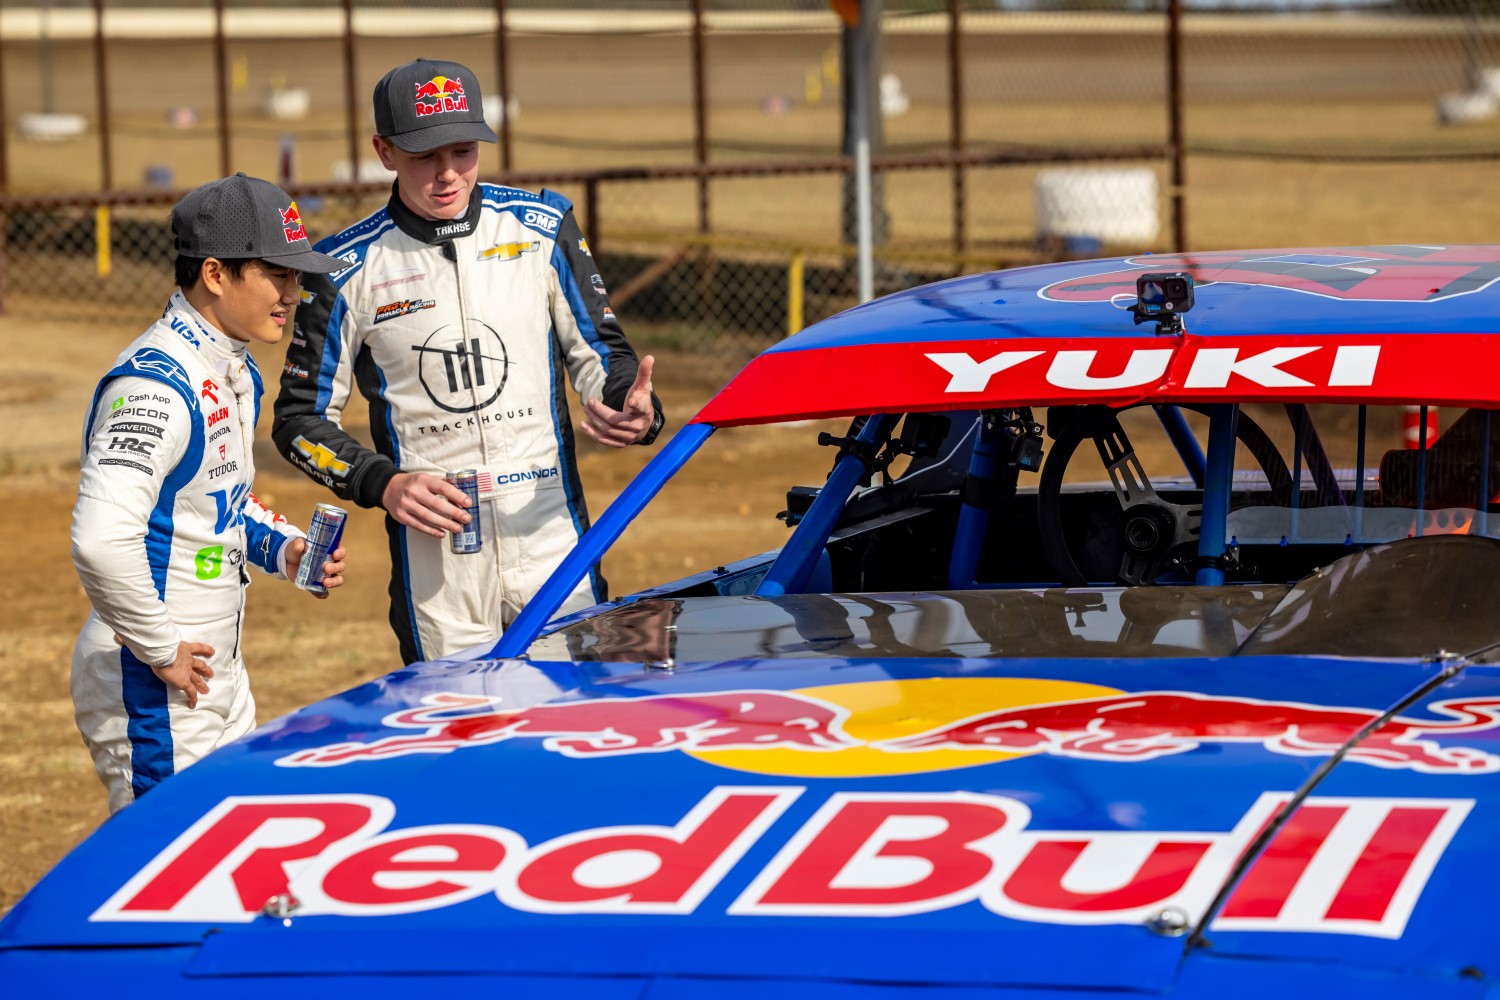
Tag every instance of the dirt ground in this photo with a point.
(297, 649)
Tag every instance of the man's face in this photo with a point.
(255, 307)
(435, 184)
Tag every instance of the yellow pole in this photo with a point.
(101, 241)
(794, 284)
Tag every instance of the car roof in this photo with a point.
(1377, 325)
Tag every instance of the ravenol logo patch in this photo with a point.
(509, 251)
(403, 307)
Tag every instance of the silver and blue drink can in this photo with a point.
(471, 538)
(323, 536)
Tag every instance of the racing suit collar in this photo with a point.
(434, 232)
(224, 355)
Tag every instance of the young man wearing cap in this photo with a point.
(458, 313)
(165, 520)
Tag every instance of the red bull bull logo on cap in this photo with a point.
(440, 95)
(291, 224)
(915, 726)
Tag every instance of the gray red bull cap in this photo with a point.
(430, 103)
(238, 217)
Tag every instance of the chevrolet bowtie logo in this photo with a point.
(321, 456)
(509, 251)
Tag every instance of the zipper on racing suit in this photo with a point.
(450, 250)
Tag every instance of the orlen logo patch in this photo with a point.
(291, 224)
(1401, 274)
(440, 95)
(1348, 865)
(884, 728)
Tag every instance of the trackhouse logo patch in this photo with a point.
(463, 372)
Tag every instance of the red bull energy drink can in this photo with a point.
(323, 536)
(471, 538)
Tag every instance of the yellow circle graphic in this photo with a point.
(888, 710)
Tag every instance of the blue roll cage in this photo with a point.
(1211, 470)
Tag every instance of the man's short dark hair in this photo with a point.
(188, 269)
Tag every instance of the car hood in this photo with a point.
(1030, 822)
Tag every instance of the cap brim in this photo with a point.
(307, 261)
(423, 140)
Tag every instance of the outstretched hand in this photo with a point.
(618, 428)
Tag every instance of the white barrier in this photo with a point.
(1113, 205)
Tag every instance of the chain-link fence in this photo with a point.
(703, 142)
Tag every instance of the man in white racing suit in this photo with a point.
(460, 313)
(165, 521)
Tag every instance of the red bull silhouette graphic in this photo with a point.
(440, 95)
(606, 727)
(1146, 725)
(291, 224)
(1402, 274)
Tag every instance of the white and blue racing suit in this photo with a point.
(462, 335)
(163, 527)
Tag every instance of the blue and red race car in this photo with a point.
(1126, 649)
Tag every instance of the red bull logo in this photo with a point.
(603, 728)
(1152, 724)
(897, 727)
(439, 95)
(881, 854)
(291, 224)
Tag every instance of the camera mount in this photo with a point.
(1162, 297)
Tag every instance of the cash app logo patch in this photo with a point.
(210, 561)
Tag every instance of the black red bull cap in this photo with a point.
(430, 103)
(239, 217)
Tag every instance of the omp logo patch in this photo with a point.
(509, 251)
(541, 220)
(321, 457)
(403, 307)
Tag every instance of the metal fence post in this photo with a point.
(350, 104)
(101, 100)
(700, 115)
(591, 214)
(502, 71)
(1174, 123)
(956, 119)
(221, 88)
(4, 146)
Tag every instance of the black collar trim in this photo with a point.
(434, 231)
